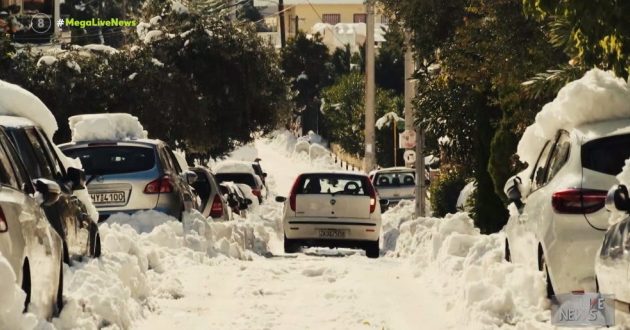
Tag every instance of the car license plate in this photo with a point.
(117, 197)
(332, 233)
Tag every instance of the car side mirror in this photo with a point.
(77, 178)
(383, 202)
(513, 191)
(50, 191)
(191, 177)
(618, 199)
(281, 199)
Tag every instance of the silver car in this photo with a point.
(134, 175)
(395, 184)
(27, 240)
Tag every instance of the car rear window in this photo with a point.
(395, 179)
(333, 184)
(114, 159)
(244, 178)
(606, 155)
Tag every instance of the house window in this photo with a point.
(360, 18)
(331, 19)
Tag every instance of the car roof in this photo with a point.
(395, 170)
(337, 172)
(15, 121)
(593, 131)
(138, 142)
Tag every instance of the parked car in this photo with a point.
(612, 263)
(134, 175)
(241, 172)
(213, 203)
(68, 215)
(561, 218)
(395, 184)
(235, 197)
(332, 209)
(27, 240)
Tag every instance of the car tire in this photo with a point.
(372, 249)
(507, 255)
(290, 246)
(59, 297)
(542, 266)
(26, 284)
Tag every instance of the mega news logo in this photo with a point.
(583, 309)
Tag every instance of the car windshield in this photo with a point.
(606, 155)
(333, 184)
(400, 179)
(113, 159)
(244, 178)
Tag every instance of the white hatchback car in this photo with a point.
(332, 209)
(561, 219)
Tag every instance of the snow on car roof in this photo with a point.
(598, 96)
(597, 130)
(234, 166)
(13, 121)
(396, 169)
(16, 101)
(106, 126)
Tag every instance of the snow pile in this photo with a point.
(387, 119)
(46, 60)
(12, 298)
(233, 166)
(106, 126)
(312, 137)
(450, 254)
(101, 48)
(597, 96)
(16, 101)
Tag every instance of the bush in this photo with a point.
(445, 191)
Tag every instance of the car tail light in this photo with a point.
(578, 201)
(293, 197)
(216, 211)
(257, 192)
(372, 192)
(161, 185)
(4, 226)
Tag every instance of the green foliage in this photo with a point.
(344, 113)
(445, 192)
(390, 62)
(596, 32)
(207, 89)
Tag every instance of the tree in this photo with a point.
(596, 32)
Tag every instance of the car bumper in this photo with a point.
(104, 215)
(354, 230)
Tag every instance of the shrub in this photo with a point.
(445, 191)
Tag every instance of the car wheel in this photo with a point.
(542, 266)
(508, 254)
(290, 246)
(372, 249)
(26, 284)
(59, 299)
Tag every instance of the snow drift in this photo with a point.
(597, 96)
(16, 101)
(106, 126)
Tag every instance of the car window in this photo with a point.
(7, 173)
(606, 155)
(395, 179)
(559, 156)
(52, 154)
(43, 155)
(539, 174)
(173, 160)
(333, 184)
(113, 159)
(31, 154)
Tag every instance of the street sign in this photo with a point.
(410, 156)
(407, 139)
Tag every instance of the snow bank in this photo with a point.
(450, 254)
(12, 298)
(597, 96)
(106, 126)
(233, 166)
(16, 101)
(244, 153)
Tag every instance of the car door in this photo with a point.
(523, 237)
(43, 244)
(183, 189)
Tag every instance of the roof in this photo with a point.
(592, 131)
(147, 142)
(14, 121)
(396, 169)
(338, 172)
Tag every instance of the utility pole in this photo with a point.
(283, 35)
(369, 161)
(56, 16)
(410, 90)
(420, 170)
